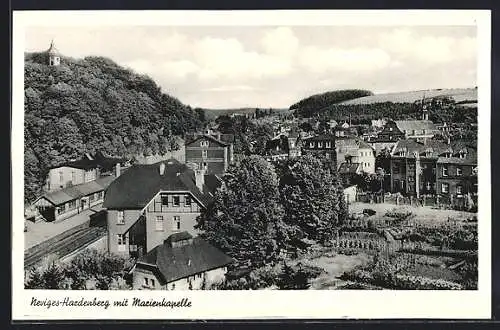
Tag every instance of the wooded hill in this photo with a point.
(90, 104)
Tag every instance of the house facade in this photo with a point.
(84, 170)
(323, 145)
(419, 130)
(284, 146)
(355, 151)
(148, 203)
(413, 167)
(181, 262)
(209, 153)
(67, 202)
(457, 176)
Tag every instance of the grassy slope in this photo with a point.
(459, 94)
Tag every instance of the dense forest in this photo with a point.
(90, 104)
(315, 103)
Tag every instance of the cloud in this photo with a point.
(280, 42)
(318, 59)
(428, 49)
(179, 69)
(227, 58)
(230, 88)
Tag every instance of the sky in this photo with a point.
(276, 66)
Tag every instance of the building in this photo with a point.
(419, 130)
(67, 202)
(209, 152)
(355, 151)
(413, 166)
(54, 55)
(457, 175)
(180, 263)
(321, 144)
(350, 193)
(378, 123)
(284, 146)
(148, 203)
(84, 170)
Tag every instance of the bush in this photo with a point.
(369, 212)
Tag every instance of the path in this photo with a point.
(42, 231)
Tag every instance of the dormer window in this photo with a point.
(320, 144)
(462, 154)
(328, 145)
(311, 144)
(428, 152)
(204, 144)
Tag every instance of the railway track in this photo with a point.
(64, 245)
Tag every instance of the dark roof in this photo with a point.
(98, 161)
(77, 191)
(348, 167)
(135, 188)
(178, 262)
(280, 142)
(322, 137)
(354, 142)
(209, 137)
(212, 182)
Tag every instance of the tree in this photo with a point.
(246, 219)
(312, 197)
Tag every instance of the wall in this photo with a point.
(187, 214)
(366, 157)
(212, 276)
(218, 156)
(350, 194)
(54, 177)
(130, 217)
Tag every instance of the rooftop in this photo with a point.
(174, 263)
(135, 188)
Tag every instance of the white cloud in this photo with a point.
(280, 42)
(179, 69)
(230, 88)
(427, 48)
(227, 58)
(318, 59)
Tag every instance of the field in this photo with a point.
(424, 215)
(459, 95)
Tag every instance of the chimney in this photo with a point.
(117, 170)
(162, 168)
(200, 178)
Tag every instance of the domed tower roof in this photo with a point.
(52, 49)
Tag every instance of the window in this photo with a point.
(459, 171)
(445, 187)
(61, 177)
(91, 198)
(120, 219)
(320, 144)
(445, 171)
(122, 242)
(459, 190)
(72, 205)
(204, 144)
(328, 145)
(73, 177)
(146, 281)
(152, 282)
(61, 209)
(204, 153)
(176, 200)
(159, 223)
(173, 286)
(177, 222)
(187, 200)
(164, 200)
(311, 144)
(428, 186)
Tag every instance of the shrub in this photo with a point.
(369, 212)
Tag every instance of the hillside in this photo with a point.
(458, 94)
(315, 103)
(90, 104)
(211, 114)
